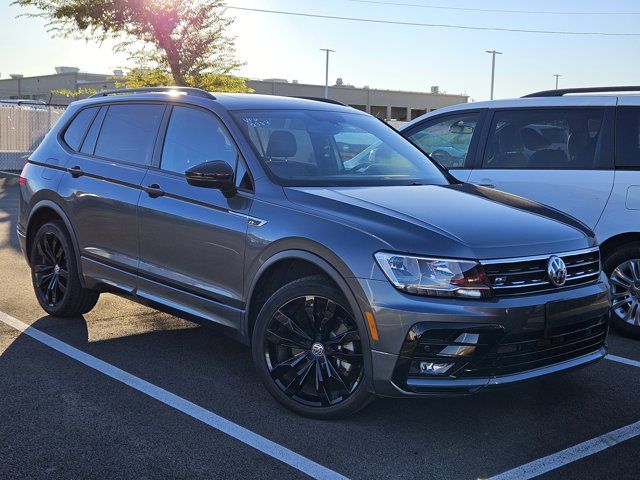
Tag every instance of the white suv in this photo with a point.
(577, 150)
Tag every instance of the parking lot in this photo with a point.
(127, 392)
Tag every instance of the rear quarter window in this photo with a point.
(628, 137)
(76, 130)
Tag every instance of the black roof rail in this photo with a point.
(564, 91)
(321, 99)
(197, 92)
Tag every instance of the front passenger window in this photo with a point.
(447, 140)
(194, 137)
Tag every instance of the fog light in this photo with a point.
(431, 368)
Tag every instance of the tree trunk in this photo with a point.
(178, 78)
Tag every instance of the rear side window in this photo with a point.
(545, 139)
(128, 132)
(74, 134)
(194, 137)
(628, 137)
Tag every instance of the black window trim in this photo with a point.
(475, 140)
(608, 121)
(156, 159)
(63, 131)
(98, 118)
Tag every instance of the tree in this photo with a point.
(184, 37)
(212, 82)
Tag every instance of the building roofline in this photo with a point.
(348, 88)
(64, 74)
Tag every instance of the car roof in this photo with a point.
(253, 101)
(230, 101)
(526, 102)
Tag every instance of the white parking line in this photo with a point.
(297, 461)
(626, 361)
(577, 452)
(582, 450)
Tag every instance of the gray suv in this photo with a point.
(351, 263)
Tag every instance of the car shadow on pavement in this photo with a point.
(9, 204)
(470, 436)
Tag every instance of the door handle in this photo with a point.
(153, 190)
(76, 171)
(487, 182)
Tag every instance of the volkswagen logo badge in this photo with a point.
(317, 349)
(557, 271)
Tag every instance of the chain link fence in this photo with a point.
(22, 128)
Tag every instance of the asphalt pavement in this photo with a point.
(61, 418)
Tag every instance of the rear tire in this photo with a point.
(54, 273)
(622, 267)
(309, 352)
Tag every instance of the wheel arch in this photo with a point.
(316, 265)
(44, 211)
(612, 243)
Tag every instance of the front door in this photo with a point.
(450, 139)
(192, 239)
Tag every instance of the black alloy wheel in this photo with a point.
(313, 351)
(50, 269)
(309, 351)
(54, 273)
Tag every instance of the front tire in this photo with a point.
(54, 273)
(623, 269)
(309, 352)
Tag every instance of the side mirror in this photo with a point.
(216, 174)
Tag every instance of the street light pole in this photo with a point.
(557, 75)
(326, 72)
(493, 67)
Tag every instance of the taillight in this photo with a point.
(23, 179)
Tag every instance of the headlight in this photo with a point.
(434, 276)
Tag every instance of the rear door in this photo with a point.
(192, 239)
(561, 157)
(105, 168)
(622, 214)
(450, 139)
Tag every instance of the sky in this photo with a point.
(387, 56)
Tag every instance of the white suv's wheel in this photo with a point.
(623, 269)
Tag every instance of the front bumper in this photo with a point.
(513, 338)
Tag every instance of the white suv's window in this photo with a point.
(545, 139)
(447, 139)
(628, 137)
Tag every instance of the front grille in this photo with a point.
(528, 275)
(519, 353)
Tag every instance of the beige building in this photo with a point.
(64, 78)
(387, 104)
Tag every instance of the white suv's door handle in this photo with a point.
(487, 182)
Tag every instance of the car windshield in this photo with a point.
(328, 148)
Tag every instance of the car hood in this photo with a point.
(461, 220)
